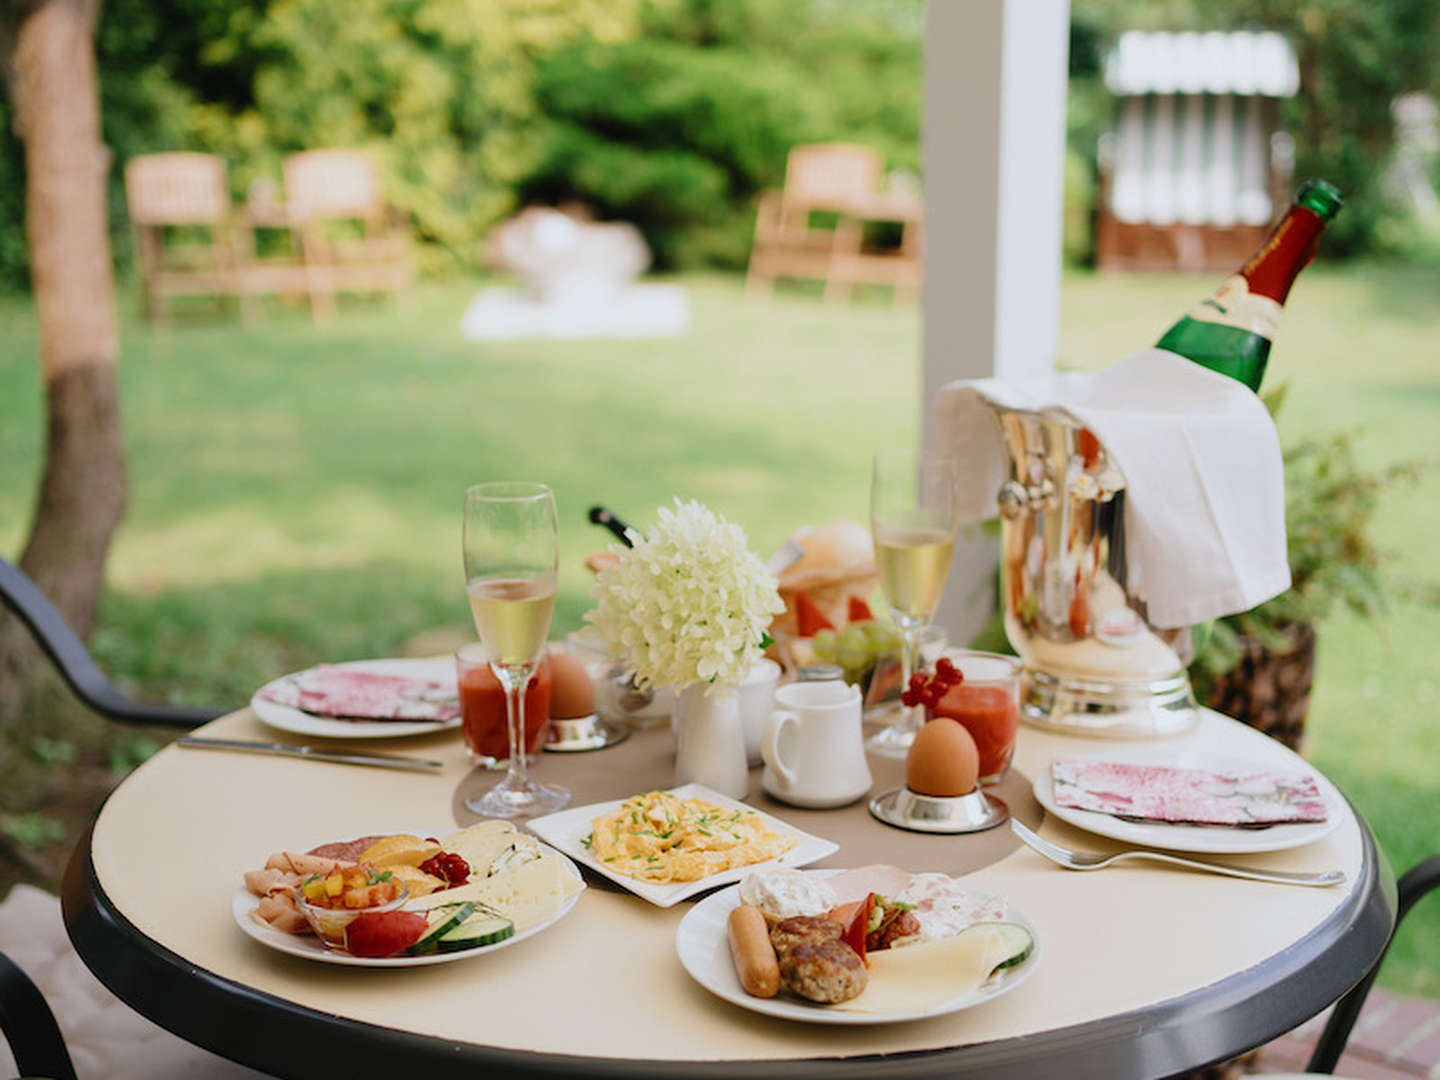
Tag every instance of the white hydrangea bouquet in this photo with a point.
(690, 603)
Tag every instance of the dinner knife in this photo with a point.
(343, 757)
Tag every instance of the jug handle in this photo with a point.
(770, 745)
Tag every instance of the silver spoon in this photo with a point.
(1079, 860)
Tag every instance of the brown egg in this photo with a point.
(572, 694)
(942, 760)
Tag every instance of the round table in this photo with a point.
(1144, 971)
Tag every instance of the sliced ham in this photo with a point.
(856, 884)
(270, 880)
(346, 693)
(279, 911)
(1159, 793)
(297, 863)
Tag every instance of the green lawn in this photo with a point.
(295, 491)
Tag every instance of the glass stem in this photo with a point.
(516, 681)
(909, 644)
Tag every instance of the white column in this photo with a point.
(994, 155)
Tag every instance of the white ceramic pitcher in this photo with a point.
(813, 750)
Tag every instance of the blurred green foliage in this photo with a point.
(668, 113)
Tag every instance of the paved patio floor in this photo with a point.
(1396, 1038)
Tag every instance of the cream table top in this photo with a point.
(1144, 970)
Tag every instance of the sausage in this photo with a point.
(754, 956)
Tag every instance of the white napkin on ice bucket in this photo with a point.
(1204, 480)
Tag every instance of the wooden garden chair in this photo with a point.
(166, 193)
(842, 179)
(350, 240)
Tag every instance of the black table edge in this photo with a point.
(277, 1036)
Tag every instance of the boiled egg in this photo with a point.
(942, 761)
(572, 693)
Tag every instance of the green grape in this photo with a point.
(853, 638)
(823, 643)
(876, 632)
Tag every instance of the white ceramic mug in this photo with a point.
(757, 698)
(813, 750)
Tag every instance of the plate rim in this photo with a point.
(1212, 841)
(665, 896)
(295, 721)
(785, 1009)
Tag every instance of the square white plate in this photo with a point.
(565, 830)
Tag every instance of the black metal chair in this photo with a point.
(25, 1019)
(70, 657)
(1416, 883)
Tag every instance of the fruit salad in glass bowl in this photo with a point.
(332, 902)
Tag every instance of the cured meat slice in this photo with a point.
(860, 882)
(943, 907)
(1160, 793)
(347, 693)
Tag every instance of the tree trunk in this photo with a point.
(49, 57)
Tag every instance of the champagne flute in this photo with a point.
(914, 514)
(511, 562)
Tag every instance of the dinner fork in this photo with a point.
(1080, 860)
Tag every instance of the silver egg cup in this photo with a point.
(583, 733)
(972, 812)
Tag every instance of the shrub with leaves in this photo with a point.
(1330, 504)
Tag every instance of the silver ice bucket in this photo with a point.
(1093, 663)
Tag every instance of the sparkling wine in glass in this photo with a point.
(914, 514)
(511, 560)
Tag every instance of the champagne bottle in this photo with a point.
(1231, 330)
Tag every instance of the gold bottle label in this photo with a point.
(1233, 304)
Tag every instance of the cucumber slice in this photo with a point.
(442, 921)
(475, 932)
(1013, 941)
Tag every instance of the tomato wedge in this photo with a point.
(854, 935)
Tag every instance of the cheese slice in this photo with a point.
(919, 978)
(483, 844)
(528, 895)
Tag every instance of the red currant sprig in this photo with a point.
(928, 692)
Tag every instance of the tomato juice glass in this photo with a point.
(987, 704)
(482, 708)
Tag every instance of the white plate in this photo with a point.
(567, 828)
(286, 718)
(1203, 839)
(704, 951)
(311, 948)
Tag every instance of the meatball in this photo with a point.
(823, 971)
(801, 929)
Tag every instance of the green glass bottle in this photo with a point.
(1231, 330)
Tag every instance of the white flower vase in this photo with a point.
(710, 740)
